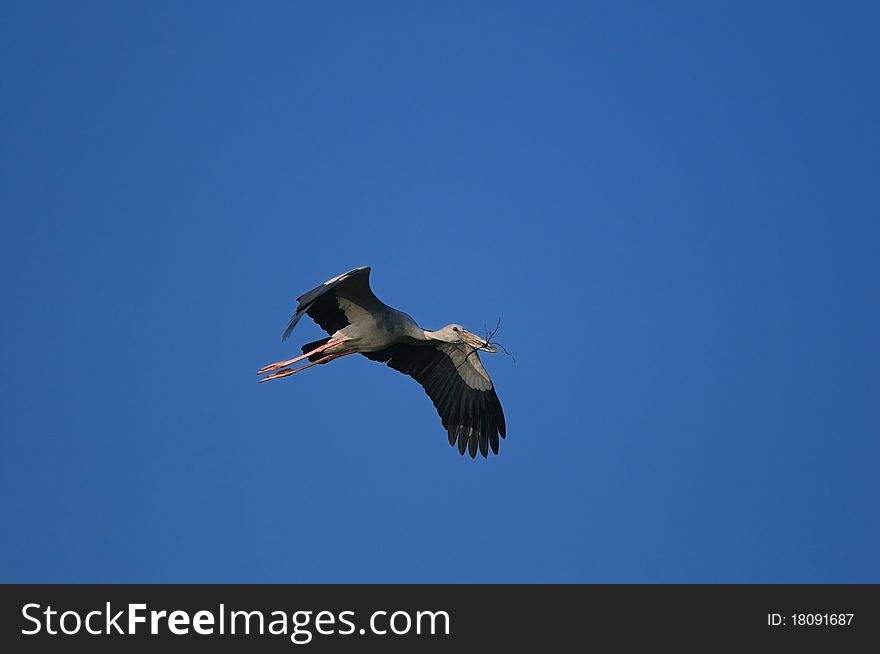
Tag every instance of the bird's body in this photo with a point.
(444, 362)
(376, 331)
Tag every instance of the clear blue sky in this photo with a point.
(673, 209)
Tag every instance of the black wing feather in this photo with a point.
(472, 417)
(326, 313)
(462, 440)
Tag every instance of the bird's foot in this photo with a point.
(275, 366)
(279, 374)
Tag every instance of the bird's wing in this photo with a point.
(337, 302)
(459, 386)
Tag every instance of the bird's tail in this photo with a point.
(308, 347)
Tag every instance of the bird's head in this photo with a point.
(458, 334)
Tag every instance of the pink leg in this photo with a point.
(287, 371)
(284, 364)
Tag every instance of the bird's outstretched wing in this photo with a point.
(337, 302)
(459, 386)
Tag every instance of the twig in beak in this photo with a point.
(491, 335)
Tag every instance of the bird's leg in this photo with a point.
(288, 371)
(284, 364)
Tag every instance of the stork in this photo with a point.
(445, 362)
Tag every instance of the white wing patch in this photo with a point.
(469, 367)
(354, 312)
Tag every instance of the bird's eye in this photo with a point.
(455, 329)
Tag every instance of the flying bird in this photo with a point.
(444, 362)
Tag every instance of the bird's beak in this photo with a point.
(476, 342)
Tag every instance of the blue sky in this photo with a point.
(673, 209)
